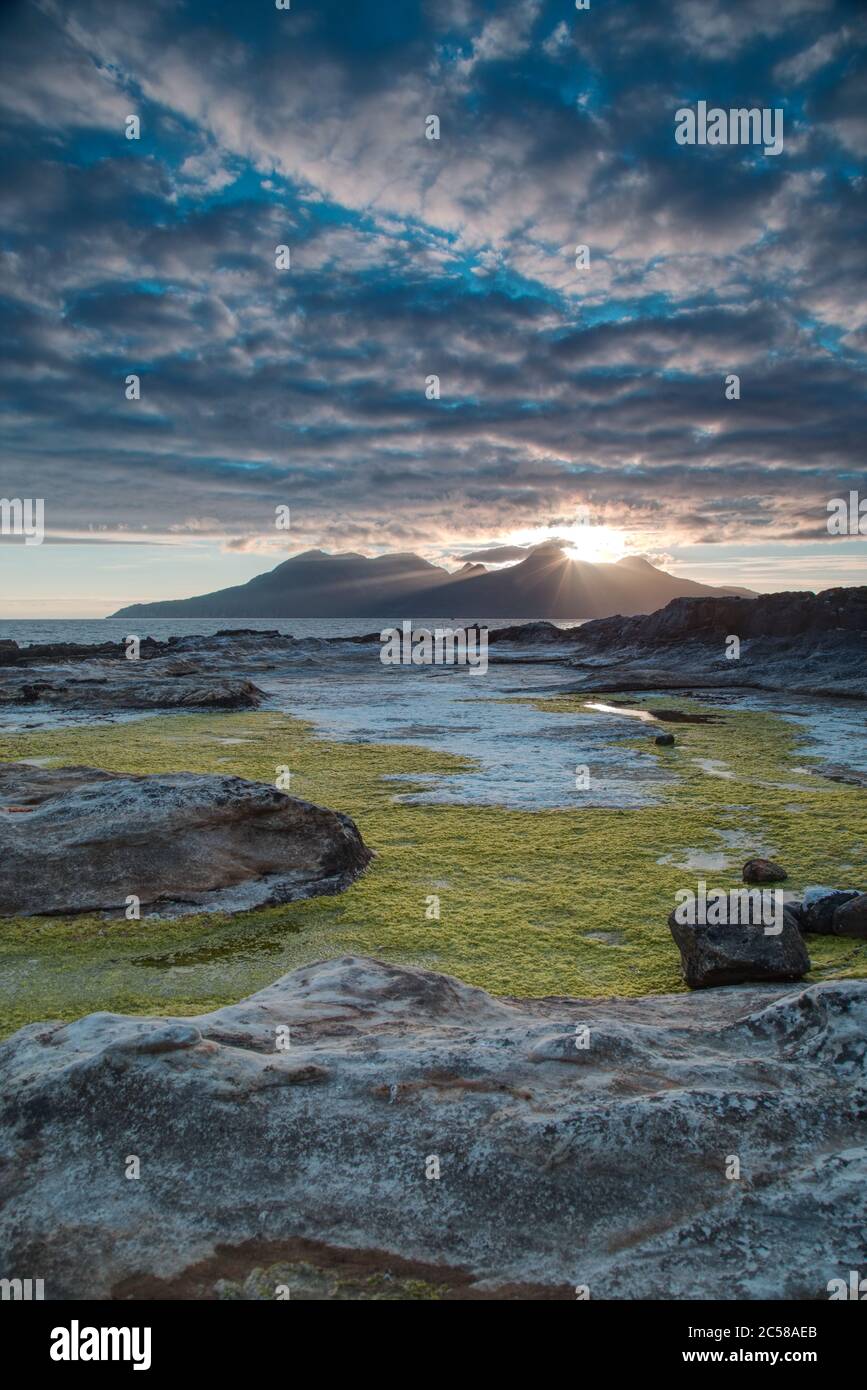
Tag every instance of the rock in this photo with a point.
(228, 641)
(664, 740)
(763, 871)
(253, 1158)
(183, 842)
(819, 906)
(851, 918)
(735, 953)
(531, 634)
(128, 686)
(809, 644)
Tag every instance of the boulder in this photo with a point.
(555, 1164)
(819, 906)
(734, 953)
(664, 740)
(76, 839)
(763, 871)
(851, 918)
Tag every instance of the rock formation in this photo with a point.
(76, 839)
(799, 642)
(509, 1148)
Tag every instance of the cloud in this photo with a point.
(495, 554)
(558, 388)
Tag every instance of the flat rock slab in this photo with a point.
(77, 839)
(559, 1164)
(106, 686)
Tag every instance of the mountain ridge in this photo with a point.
(546, 583)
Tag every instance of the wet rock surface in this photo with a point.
(77, 839)
(559, 1164)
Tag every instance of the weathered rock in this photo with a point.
(802, 643)
(530, 634)
(735, 953)
(128, 686)
(559, 1165)
(763, 871)
(227, 642)
(664, 740)
(819, 906)
(851, 918)
(182, 842)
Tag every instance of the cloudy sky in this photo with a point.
(565, 394)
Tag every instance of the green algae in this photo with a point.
(302, 1281)
(570, 902)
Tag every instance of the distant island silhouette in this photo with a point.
(547, 583)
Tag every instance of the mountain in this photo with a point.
(545, 584)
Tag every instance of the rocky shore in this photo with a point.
(801, 643)
(807, 644)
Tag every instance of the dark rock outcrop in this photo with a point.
(251, 1153)
(798, 642)
(530, 634)
(774, 616)
(739, 952)
(76, 839)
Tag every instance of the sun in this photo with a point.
(593, 544)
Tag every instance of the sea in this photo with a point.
(29, 631)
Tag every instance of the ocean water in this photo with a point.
(27, 631)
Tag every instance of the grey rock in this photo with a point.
(851, 918)
(77, 839)
(113, 685)
(735, 953)
(558, 1166)
(819, 906)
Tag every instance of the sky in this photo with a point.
(586, 403)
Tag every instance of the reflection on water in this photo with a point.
(642, 714)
